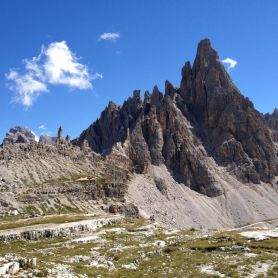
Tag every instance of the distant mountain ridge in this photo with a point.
(19, 134)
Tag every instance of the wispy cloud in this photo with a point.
(42, 127)
(231, 63)
(97, 76)
(109, 37)
(56, 64)
(43, 130)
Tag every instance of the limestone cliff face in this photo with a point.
(182, 128)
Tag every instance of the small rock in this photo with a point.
(234, 248)
(130, 266)
(14, 268)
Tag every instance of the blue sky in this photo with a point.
(151, 42)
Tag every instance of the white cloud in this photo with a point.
(55, 65)
(230, 63)
(62, 67)
(42, 127)
(27, 88)
(109, 37)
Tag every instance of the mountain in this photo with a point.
(199, 155)
(205, 135)
(206, 117)
(19, 134)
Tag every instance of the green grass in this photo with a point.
(182, 257)
(76, 178)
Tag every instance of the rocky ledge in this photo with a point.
(55, 230)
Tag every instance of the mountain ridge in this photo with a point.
(223, 120)
(200, 154)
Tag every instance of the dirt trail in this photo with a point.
(266, 224)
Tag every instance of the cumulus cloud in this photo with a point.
(62, 67)
(109, 37)
(230, 63)
(56, 64)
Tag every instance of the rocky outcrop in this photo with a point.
(9, 268)
(19, 134)
(54, 230)
(272, 122)
(206, 116)
(10, 265)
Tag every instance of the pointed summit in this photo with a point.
(157, 96)
(206, 59)
(204, 47)
(112, 106)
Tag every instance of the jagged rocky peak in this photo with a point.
(206, 56)
(206, 116)
(232, 130)
(19, 134)
(112, 107)
(156, 96)
(169, 89)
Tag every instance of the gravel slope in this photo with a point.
(181, 207)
